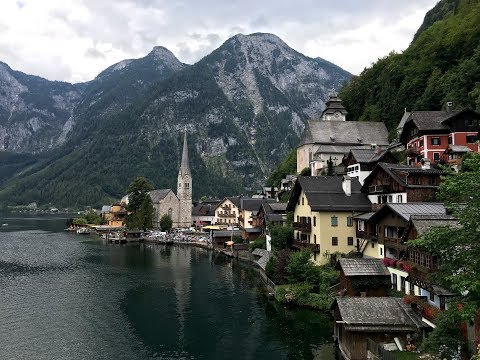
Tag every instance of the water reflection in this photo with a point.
(65, 297)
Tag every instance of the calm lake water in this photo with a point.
(66, 296)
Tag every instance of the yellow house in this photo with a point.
(114, 215)
(324, 207)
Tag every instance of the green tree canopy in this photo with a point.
(140, 204)
(282, 236)
(166, 222)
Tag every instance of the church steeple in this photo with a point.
(184, 165)
(184, 188)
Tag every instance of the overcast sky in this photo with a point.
(73, 40)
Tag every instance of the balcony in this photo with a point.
(413, 151)
(226, 215)
(226, 207)
(302, 226)
(306, 245)
(396, 243)
(379, 188)
(367, 235)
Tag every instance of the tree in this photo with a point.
(282, 236)
(306, 172)
(300, 268)
(92, 217)
(330, 167)
(458, 249)
(140, 206)
(166, 222)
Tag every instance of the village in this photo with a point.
(362, 200)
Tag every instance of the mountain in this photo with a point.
(243, 106)
(441, 64)
(34, 112)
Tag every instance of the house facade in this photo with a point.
(361, 162)
(427, 134)
(227, 212)
(363, 277)
(323, 209)
(393, 183)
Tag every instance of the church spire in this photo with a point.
(184, 166)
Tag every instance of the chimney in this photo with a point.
(449, 106)
(378, 150)
(347, 185)
(426, 164)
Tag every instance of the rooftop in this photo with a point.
(345, 133)
(363, 267)
(325, 193)
(406, 210)
(377, 314)
(423, 223)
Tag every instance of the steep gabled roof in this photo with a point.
(363, 267)
(423, 223)
(158, 195)
(368, 155)
(253, 204)
(377, 314)
(325, 193)
(406, 210)
(399, 173)
(345, 133)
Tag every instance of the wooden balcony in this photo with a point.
(396, 243)
(306, 245)
(379, 188)
(367, 235)
(302, 226)
(413, 151)
(227, 215)
(226, 207)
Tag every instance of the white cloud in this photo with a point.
(74, 40)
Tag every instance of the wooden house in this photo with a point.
(393, 183)
(383, 320)
(363, 277)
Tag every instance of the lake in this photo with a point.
(68, 296)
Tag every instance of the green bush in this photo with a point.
(270, 267)
(259, 243)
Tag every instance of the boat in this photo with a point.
(83, 231)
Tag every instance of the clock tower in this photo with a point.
(334, 110)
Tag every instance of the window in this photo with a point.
(394, 279)
(435, 141)
(420, 143)
(449, 140)
(298, 218)
(373, 245)
(416, 180)
(402, 283)
(390, 198)
(427, 261)
(361, 225)
(349, 221)
(436, 156)
(314, 239)
(471, 139)
(314, 221)
(381, 251)
(334, 221)
(399, 198)
(334, 241)
(422, 259)
(170, 211)
(431, 181)
(303, 203)
(187, 186)
(350, 241)
(432, 296)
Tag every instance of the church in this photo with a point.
(177, 206)
(332, 136)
